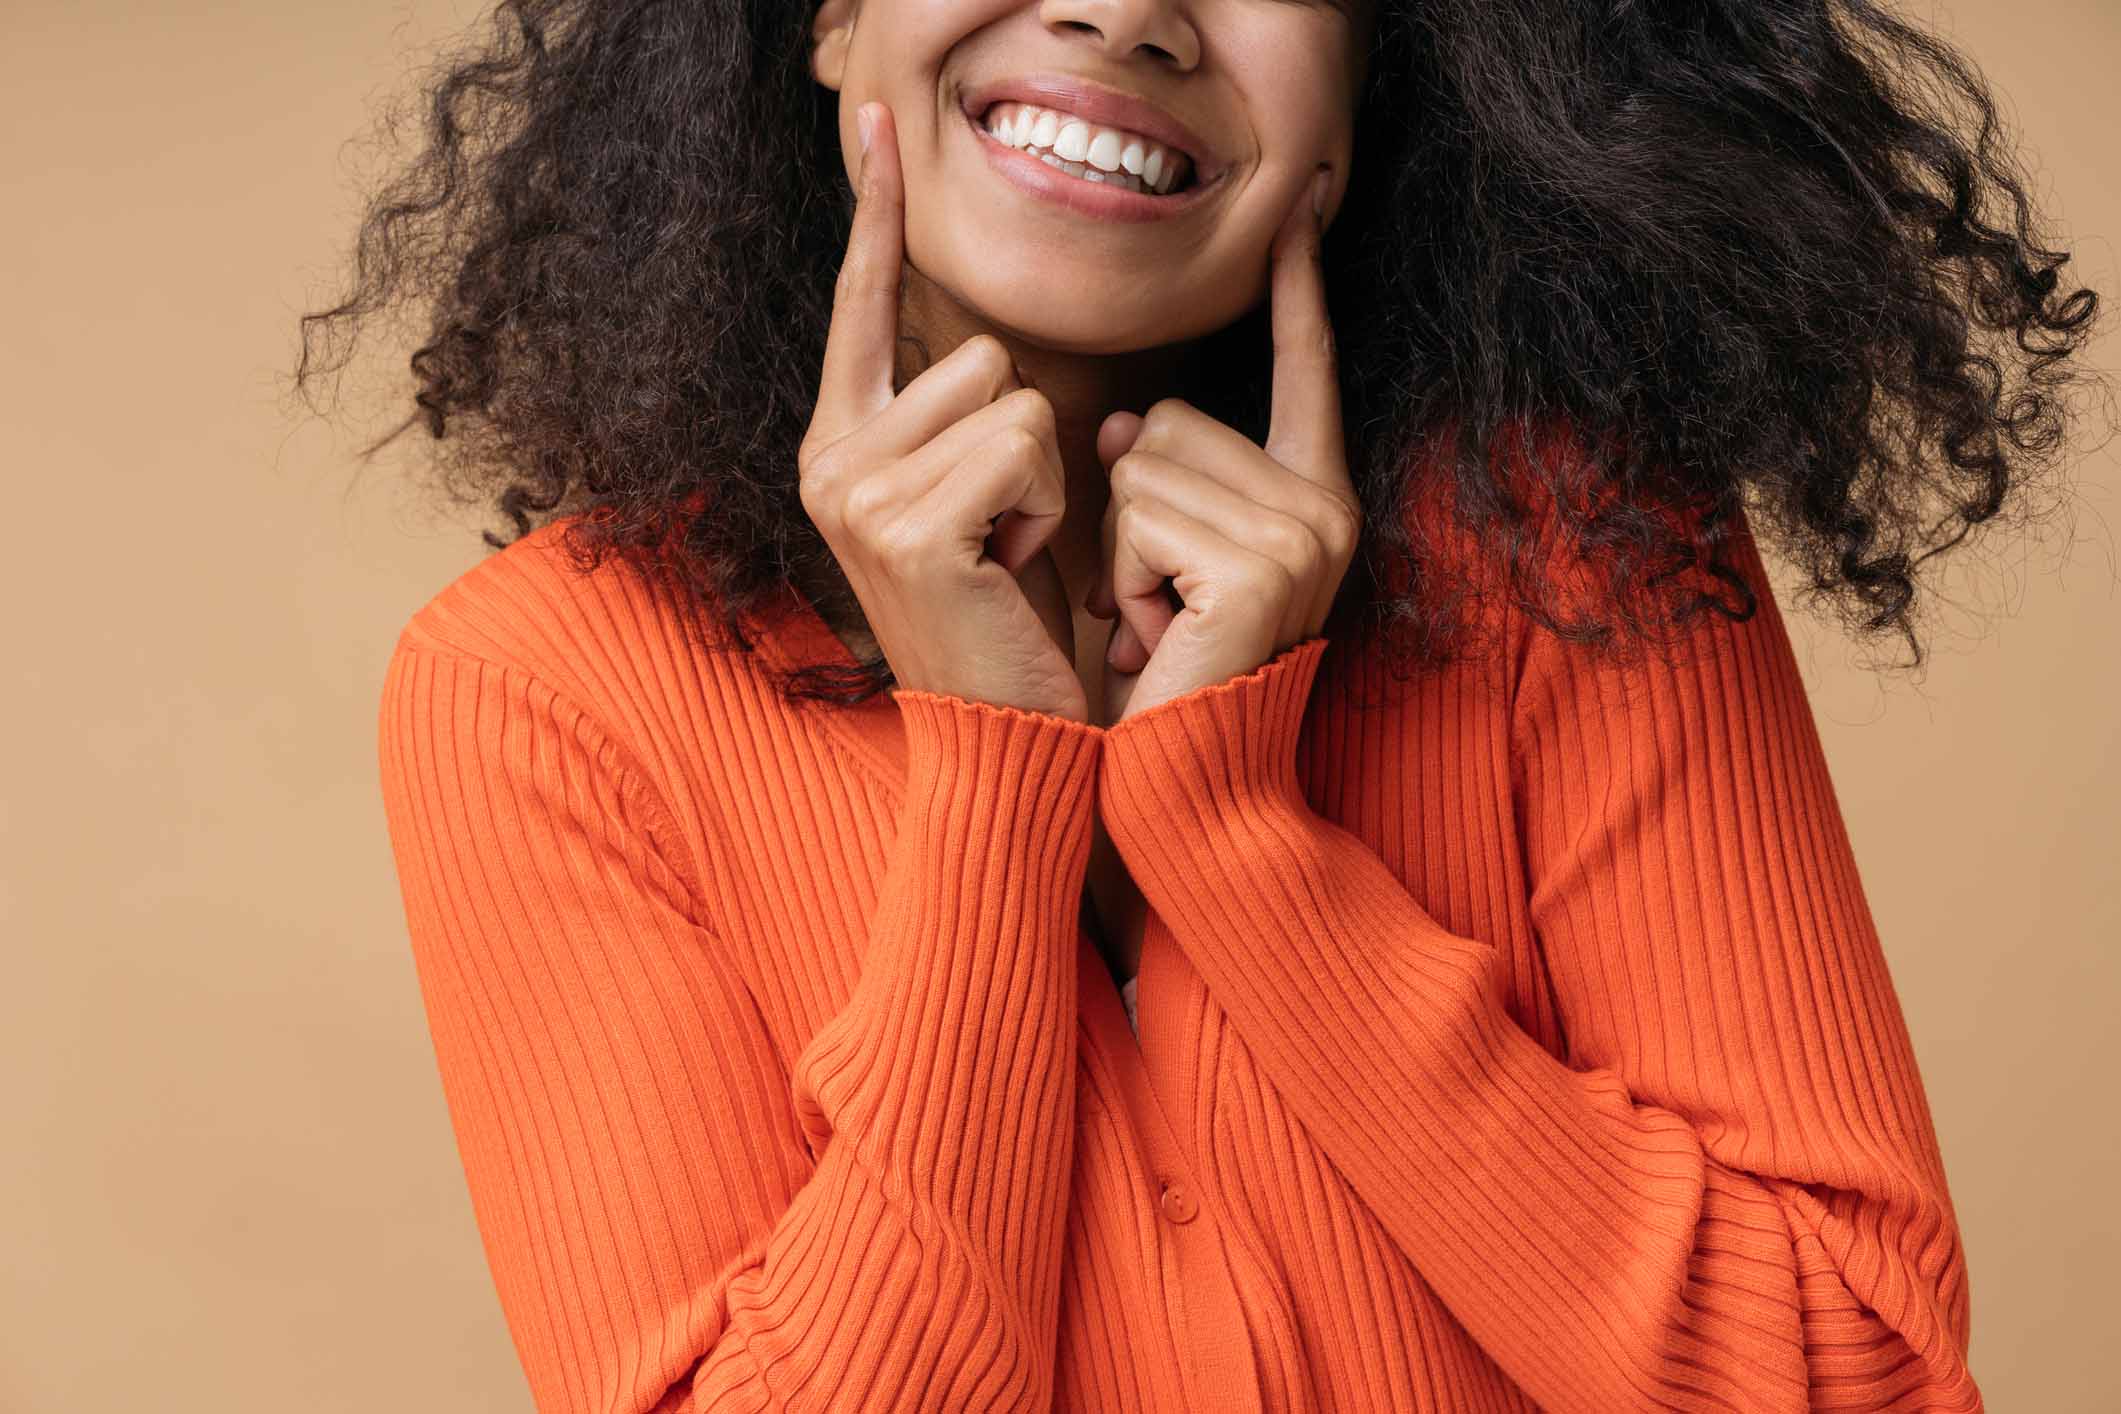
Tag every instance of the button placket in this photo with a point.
(1218, 1363)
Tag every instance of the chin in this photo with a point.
(1089, 332)
(1075, 312)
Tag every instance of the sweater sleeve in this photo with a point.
(1730, 1196)
(675, 1219)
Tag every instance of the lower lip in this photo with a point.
(1100, 201)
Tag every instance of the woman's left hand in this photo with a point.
(1255, 540)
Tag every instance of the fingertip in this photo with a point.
(872, 124)
(1121, 646)
(887, 136)
(1116, 434)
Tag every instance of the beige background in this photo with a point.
(228, 1177)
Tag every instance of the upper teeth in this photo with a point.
(1075, 145)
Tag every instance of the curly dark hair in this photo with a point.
(1677, 269)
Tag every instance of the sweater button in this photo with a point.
(1177, 1204)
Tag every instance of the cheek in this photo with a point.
(902, 48)
(1296, 73)
(1305, 122)
(900, 55)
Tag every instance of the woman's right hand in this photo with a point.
(905, 486)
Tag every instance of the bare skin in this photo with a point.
(1082, 391)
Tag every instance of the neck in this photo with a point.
(1083, 388)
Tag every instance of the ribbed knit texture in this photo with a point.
(1524, 1043)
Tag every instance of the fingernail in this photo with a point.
(1318, 190)
(864, 125)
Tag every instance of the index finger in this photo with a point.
(1303, 428)
(861, 345)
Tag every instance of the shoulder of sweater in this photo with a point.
(647, 677)
(530, 605)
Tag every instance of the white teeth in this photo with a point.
(1094, 153)
(1091, 174)
(1073, 144)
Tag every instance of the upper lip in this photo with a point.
(1086, 98)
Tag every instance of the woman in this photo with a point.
(949, 617)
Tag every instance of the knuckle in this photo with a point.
(1288, 541)
(819, 448)
(866, 508)
(1312, 553)
(899, 541)
(1128, 474)
(1163, 415)
(1035, 408)
(1021, 445)
(1342, 527)
(810, 492)
(1127, 520)
(1314, 340)
(989, 356)
(816, 479)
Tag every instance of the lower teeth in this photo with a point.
(1125, 180)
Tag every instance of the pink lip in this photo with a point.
(1097, 200)
(1098, 104)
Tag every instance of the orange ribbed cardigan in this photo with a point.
(1524, 1043)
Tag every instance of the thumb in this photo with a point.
(1115, 435)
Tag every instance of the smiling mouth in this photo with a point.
(1090, 152)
